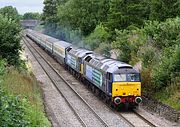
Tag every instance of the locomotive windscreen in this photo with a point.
(127, 77)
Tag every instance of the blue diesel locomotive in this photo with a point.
(116, 82)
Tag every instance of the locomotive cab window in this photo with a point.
(120, 77)
(127, 77)
(133, 77)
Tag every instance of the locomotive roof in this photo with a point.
(108, 65)
(79, 52)
(118, 66)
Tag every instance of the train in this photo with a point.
(116, 82)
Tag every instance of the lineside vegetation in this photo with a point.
(20, 95)
(142, 32)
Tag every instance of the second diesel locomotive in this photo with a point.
(116, 82)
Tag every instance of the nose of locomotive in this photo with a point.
(126, 89)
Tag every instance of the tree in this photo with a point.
(49, 16)
(163, 34)
(61, 2)
(84, 15)
(78, 14)
(50, 11)
(164, 9)
(124, 13)
(10, 13)
(10, 40)
(128, 42)
(31, 15)
(123, 45)
(98, 36)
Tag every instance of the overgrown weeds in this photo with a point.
(20, 100)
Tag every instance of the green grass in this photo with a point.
(170, 95)
(26, 87)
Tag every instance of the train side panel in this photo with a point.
(59, 50)
(94, 76)
(72, 61)
(49, 47)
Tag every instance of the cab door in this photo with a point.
(109, 83)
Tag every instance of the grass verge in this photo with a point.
(170, 95)
(24, 87)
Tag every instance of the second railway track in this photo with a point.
(90, 119)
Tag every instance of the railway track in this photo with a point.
(82, 110)
(135, 120)
(132, 118)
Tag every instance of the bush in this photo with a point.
(146, 81)
(128, 43)
(12, 111)
(164, 72)
(176, 61)
(148, 55)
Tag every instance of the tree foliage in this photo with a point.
(11, 13)
(128, 42)
(10, 40)
(83, 15)
(163, 34)
(115, 14)
(100, 35)
(49, 16)
(124, 13)
(31, 15)
(161, 10)
(167, 69)
(148, 55)
(156, 46)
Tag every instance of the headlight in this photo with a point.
(117, 100)
(138, 100)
